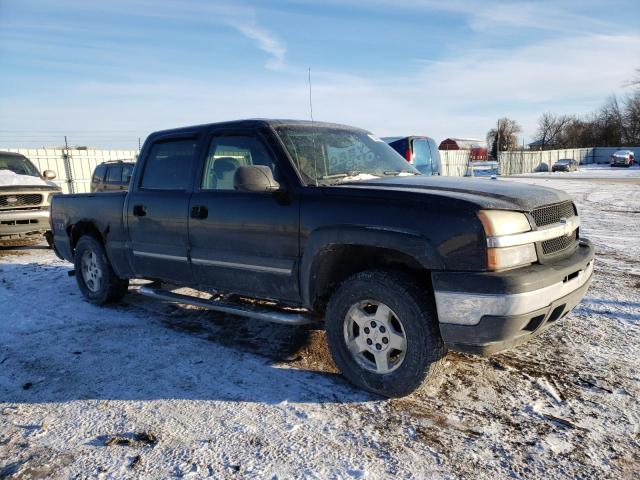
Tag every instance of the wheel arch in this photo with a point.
(333, 254)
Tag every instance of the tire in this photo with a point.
(358, 301)
(96, 279)
(48, 236)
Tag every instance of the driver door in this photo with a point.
(243, 242)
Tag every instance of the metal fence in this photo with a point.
(513, 163)
(73, 168)
(455, 163)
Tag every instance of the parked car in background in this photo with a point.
(112, 175)
(25, 196)
(622, 158)
(565, 165)
(421, 152)
(298, 222)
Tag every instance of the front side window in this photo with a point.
(229, 152)
(327, 155)
(168, 165)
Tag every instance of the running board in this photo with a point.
(251, 311)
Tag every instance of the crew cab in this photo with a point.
(297, 222)
(24, 199)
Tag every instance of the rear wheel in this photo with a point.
(383, 334)
(96, 279)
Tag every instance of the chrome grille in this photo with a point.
(558, 244)
(20, 200)
(553, 213)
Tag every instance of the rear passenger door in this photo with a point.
(158, 209)
(243, 242)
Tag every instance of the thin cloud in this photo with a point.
(265, 41)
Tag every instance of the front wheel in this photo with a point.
(96, 279)
(383, 333)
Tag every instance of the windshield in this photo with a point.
(19, 165)
(564, 162)
(326, 155)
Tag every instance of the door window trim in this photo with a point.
(229, 132)
(172, 137)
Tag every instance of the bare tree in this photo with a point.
(551, 129)
(506, 134)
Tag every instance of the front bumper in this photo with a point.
(487, 312)
(22, 223)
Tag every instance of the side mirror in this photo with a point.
(254, 178)
(49, 174)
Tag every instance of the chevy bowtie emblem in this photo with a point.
(12, 199)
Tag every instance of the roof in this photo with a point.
(258, 122)
(11, 154)
(467, 142)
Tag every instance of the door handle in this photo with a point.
(201, 212)
(139, 210)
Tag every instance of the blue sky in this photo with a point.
(107, 72)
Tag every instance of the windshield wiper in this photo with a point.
(352, 173)
(395, 173)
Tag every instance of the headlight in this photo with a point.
(503, 222)
(498, 223)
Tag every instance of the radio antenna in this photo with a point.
(313, 137)
(310, 99)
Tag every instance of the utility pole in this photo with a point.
(498, 144)
(67, 166)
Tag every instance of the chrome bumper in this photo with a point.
(463, 308)
(22, 222)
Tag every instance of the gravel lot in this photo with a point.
(146, 389)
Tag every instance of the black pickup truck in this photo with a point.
(296, 222)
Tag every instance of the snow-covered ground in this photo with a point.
(146, 389)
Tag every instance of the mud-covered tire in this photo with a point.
(110, 288)
(412, 305)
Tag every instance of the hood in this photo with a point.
(485, 193)
(11, 179)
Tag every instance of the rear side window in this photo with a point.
(168, 165)
(114, 174)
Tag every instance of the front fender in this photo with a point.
(410, 243)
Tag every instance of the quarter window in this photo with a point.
(168, 165)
